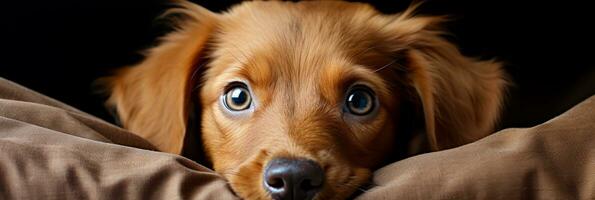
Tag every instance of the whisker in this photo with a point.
(385, 66)
(194, 74)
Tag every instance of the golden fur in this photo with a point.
(298, 60)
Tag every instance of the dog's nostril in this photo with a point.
(293, 178)
(275, 182)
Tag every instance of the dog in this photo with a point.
(303, 100)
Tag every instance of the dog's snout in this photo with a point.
(286, 178)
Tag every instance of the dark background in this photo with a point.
(60, 47)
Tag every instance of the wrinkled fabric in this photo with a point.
(49, 150)
(52, 151)
(554, 160)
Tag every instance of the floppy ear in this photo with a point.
(152, 97)
(461, 97)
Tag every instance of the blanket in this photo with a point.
(49, 150)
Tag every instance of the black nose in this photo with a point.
(295, 179)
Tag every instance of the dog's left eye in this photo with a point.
(360, 101)
(238, 98)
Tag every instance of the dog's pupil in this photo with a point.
(238, 96)
(359, 102)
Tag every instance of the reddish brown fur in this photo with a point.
(299, 59)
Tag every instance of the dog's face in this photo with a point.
(274, 105)
(302, 100)
(294, 88)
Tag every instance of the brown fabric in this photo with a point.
(52, 151)
(555, 160)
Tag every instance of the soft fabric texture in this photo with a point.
(49, 150)
(52, 151)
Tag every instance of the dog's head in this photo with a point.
(304, 99)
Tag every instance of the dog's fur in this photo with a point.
(298, 60)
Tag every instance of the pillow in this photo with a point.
(49, 150)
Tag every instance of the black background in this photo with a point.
(60, 47)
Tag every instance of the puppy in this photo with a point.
(303, 100)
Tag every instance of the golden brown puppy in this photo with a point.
(303, 100)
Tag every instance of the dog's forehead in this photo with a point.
(288, 29)
(301, 37)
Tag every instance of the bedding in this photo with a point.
(49, 150)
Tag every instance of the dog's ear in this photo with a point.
(460, 97)
(152, 97)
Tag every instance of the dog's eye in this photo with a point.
(238, 98)
(360, 101)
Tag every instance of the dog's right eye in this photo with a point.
(360, 101)
(237, 98)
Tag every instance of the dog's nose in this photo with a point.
(286, 178)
